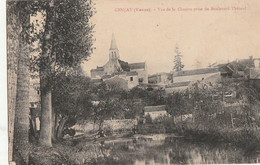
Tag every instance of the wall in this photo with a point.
(134, 83)
(120, 124)
(257, 62)
(164, 79)
(111, 66)
(113, 124)
(153, 79)
(142, 73)
(254, 73)
(193, 77)
(155, 114)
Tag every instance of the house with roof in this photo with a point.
(160, 78)
(116, 69)
(141, 70)
(186, 79)
(155, 111)
(254, 72)
(238, 68)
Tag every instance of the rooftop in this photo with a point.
(98, 69)
(196, 72)
(140, 65)
(133, 73)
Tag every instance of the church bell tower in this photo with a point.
(113, 51)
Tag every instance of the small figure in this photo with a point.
(101, 133)
(134, 130)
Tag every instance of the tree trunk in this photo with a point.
(45, 79)
(34, 129)
(22, 123)
(54, 126)
(13, 30)
(61, 127)
(46, 123)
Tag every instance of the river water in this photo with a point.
(161, 149)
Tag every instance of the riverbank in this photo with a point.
(86, 149)
(167, 148)
(246, 138)
(83, 149)
(243, 137)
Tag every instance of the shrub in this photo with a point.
(108, 131)
(148, 119)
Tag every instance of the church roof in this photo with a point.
(140, 65)
(113, 45)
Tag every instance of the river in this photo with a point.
(162, 149)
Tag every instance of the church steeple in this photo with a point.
(113, 51)
(113, 45)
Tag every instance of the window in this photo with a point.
(131, 78)
(141, 80)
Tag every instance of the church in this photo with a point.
(124, 74)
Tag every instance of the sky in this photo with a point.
(203, 36)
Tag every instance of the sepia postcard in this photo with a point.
(133, 82)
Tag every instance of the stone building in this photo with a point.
(254, 72)
(115, 69)
(186, 79)
(155, 111)
(160, 78)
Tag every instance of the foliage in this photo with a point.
(148, 119)
(71, 30)
(107, 103)
(63, 36)
(69, 96)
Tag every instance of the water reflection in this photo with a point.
(171, 150)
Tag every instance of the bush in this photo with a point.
(108, 131)
(148, 119)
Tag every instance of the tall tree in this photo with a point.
(21, 124)
(13, 28)
(70, 101)
(178, 65)
(45, 76)
(66, 41)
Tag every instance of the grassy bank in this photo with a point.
(243, 137)
(79, 151)
(82, 150)
(86, 150)
(246, 138)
